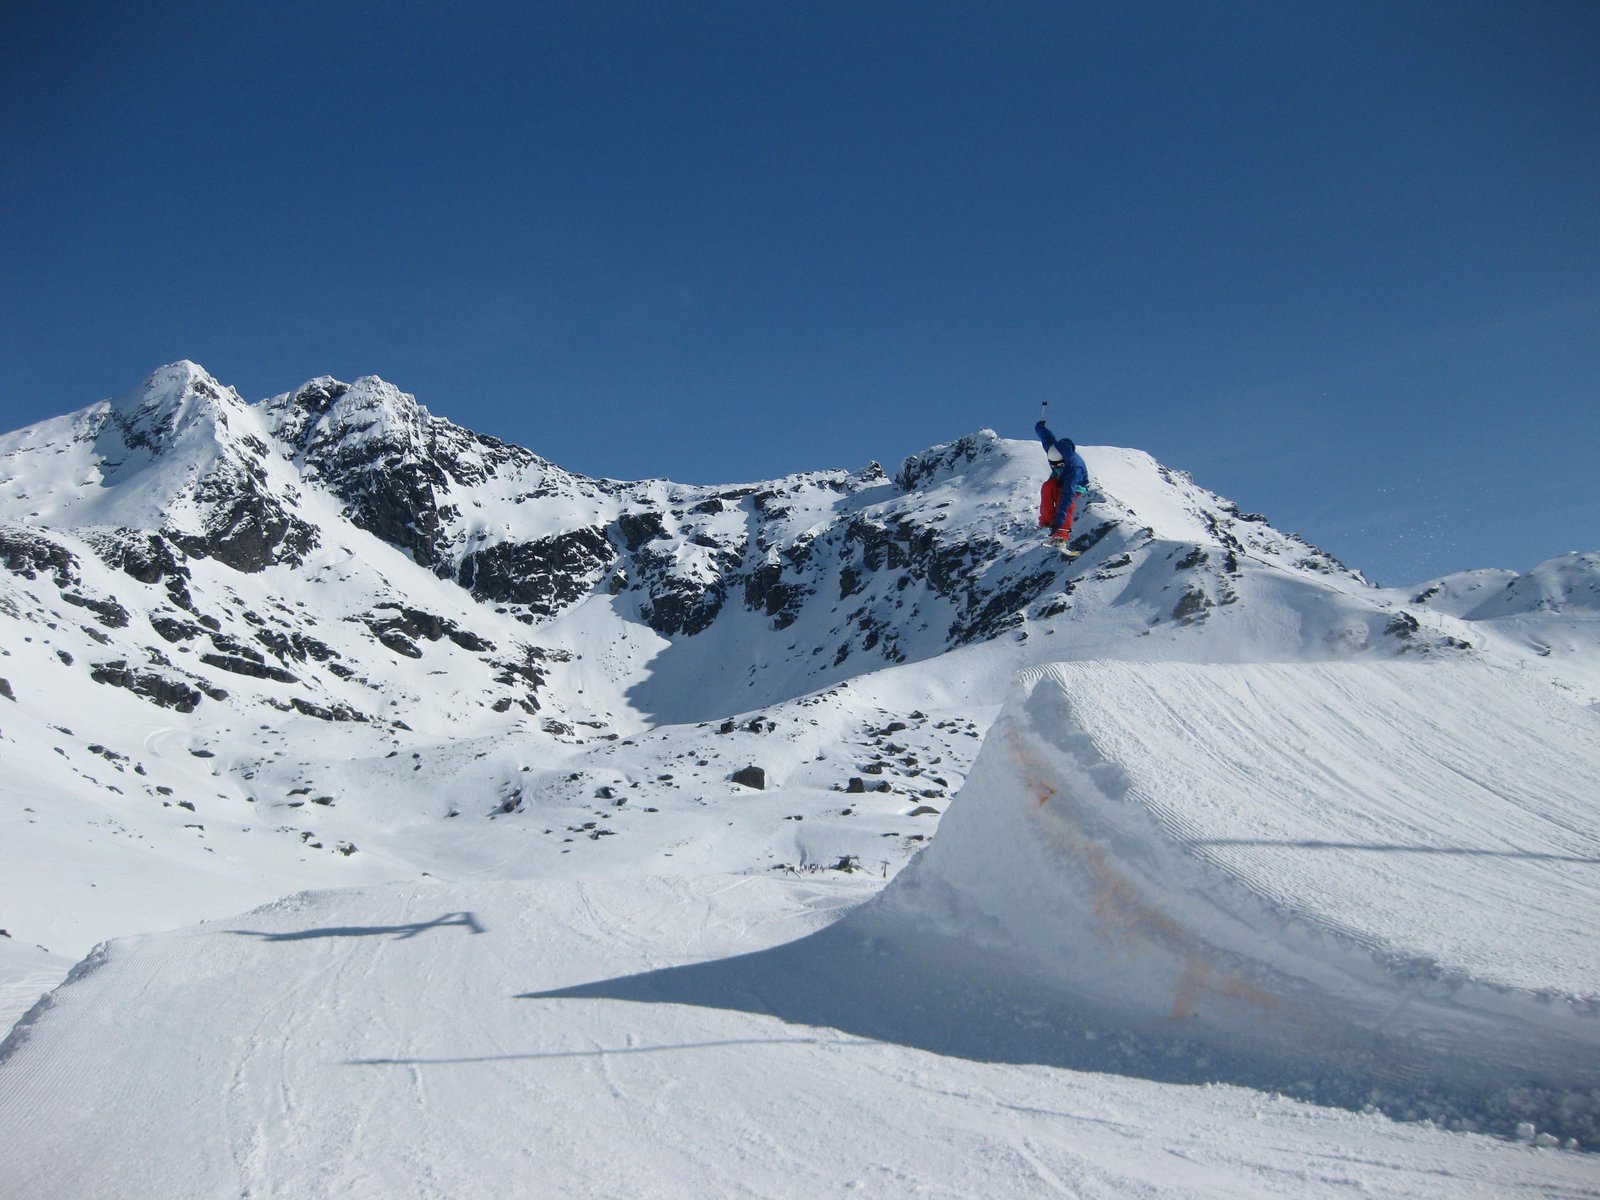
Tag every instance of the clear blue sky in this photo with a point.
(1340, 260)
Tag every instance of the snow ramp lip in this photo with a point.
(1377, 871)
(23, 1029)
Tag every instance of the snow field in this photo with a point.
(410, 1040)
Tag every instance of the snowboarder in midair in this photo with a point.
(1061, 495)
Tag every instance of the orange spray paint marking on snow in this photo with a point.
(1127, 920)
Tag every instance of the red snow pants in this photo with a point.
(1050, 501)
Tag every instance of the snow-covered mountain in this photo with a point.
(335, 577)
(330, 641)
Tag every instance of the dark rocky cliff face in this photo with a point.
(540, 577)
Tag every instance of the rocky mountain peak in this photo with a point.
(176, 400)
(329, 420)
(936, 464)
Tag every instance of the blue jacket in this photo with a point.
(1074, 474)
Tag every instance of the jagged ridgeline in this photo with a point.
(318, 541)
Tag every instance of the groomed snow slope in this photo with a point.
(377, 1044)
(1316, 871)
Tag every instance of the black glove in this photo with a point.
(1039, 425)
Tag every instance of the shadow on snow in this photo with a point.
(925, 990)
(466, 919)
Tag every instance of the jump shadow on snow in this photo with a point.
(398, 932)
(948, 996)
(913, 989)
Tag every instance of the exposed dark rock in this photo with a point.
(395, 500)
(398, 642)
(1192, 606)
(545, 576)
(851, 582)
(766, 591)
(1001, 609)
(246, 526)
(158, 689)
(248, 666)
(29, 554)
(528, 674)
(1109, 568)
(640, 528)
(142, 554)
(468, 640)
(295, 645)
(750, 777)
(231, 645)
(1403, 625)
(395, 625)
(683, 594)
(174, 629)
(339, 712)
(676, 605)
